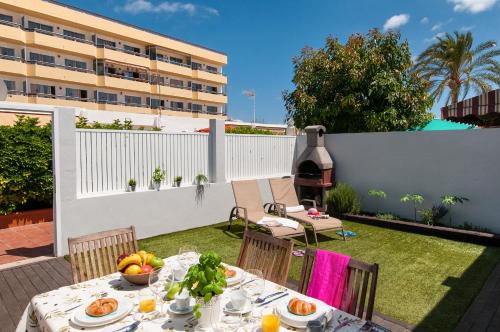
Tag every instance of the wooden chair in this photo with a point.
(93, 256)
(361, 279)
(266, 253)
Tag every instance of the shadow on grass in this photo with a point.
(462, 292)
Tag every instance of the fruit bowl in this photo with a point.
(138, 279)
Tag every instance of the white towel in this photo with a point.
(291, 209)
(283, 221)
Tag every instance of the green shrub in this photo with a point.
(386, 216)
(25, 165)
(343, 199)
(248, 130)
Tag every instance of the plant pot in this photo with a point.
(132, 188)
(178, 183)
(156, 185)
(210, 312)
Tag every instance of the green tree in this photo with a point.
(452, 64)
(25, 165)
(363, 86)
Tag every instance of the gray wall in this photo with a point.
(465, 163)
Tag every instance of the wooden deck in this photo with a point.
(19, 284)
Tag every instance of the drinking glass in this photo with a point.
(270, 320)
(156, 282)
(255, 283)
(147, 301)
(187, 256)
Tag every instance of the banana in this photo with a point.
(143, 254)
(149, 257)
(132, 259)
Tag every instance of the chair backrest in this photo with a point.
(247, 195)
(283, 191)
(266, 253)
(361, 280)
(95, 255)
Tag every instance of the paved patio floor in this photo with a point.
(24, 242)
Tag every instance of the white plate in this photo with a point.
(237, 278)
(301, 321)
(80, 317)
(228, 308)
(173, 309)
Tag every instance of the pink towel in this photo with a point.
(328, 277)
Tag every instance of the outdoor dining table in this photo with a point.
(52, 311)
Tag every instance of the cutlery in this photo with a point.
(262, 299)
(132, 327)
(276, 298)
(247, 282)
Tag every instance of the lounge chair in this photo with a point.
(249, 207)
(284, 196)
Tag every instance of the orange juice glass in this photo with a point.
(147, 305)
(270, 323)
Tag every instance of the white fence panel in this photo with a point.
(107, 159)
(256, 156)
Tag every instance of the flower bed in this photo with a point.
(26, 218)
(444, 232)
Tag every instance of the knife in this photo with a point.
(130, 328)
(272, 300)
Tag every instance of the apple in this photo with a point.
(133, 269)
(120, 258)
(157, 262)
(146, 268)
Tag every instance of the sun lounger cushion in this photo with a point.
(283, 221)
(299, 208)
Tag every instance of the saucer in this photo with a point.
(173, 309)
(228, 308)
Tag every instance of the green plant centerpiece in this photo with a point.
(132, 184)
(204, 282)
(416, 199)
(158, 177)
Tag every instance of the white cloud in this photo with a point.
(467, 27)
(472, 6)
(396, 21)
(434, 38)
(436, 26)
(165, 7)
(424, 20)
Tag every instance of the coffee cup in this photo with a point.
(179, 273)
(238, 299)
(182, 300)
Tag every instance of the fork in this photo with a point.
(262, 299)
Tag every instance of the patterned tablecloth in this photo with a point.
(48, 312)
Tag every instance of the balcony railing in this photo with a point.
(50, 64)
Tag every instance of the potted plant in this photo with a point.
(132, 184)
(158, 177)
(200, 180)
(205, 281)
(178, 180)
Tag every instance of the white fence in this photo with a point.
(107, 159)
(257, 156)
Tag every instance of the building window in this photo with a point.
(106, 97)
(196, 86)
(76, 94)
(42, 58)
(40, 26)
(196, 107)
(177, 105)
(11, 85)
(133, 100)
(161, 57)
(7, 52)
(155, 103)
(211, 89)
(212, 69)
(104, 42)
(131, 49)
(176, 83)
(73, 35)
(42, 89)
(6, 18)
(195, 65)
(211, 109)
(176, 60)
(75, 64)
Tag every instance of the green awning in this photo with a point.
(437, 124)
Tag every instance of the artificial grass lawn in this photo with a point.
(423, 280)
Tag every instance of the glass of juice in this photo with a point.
(270, 321)
(147, 301)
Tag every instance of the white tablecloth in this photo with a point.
(46, 312)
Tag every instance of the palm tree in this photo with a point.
(452, 63)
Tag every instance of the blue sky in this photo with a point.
(260, 37)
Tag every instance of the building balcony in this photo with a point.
(209, 76)
(55, 41)
(172, 91)
(209, 97)
(171, 68)
(12, 66)
(11, 31)
(122, 56)
(121, 83)
(61, 73)
(58, 100)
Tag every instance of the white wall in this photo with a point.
(464, 163)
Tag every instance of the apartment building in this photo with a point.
(52, 53)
